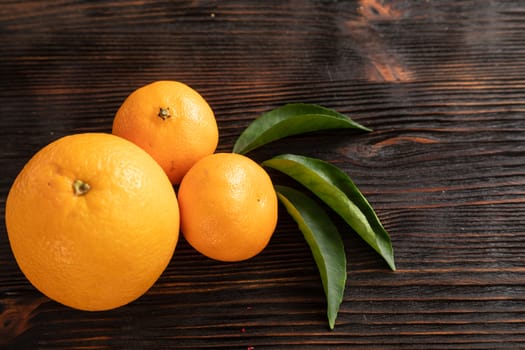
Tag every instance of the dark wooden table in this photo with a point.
(441, 83)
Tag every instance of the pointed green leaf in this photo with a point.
(291, 119)
(338, 191)
(325, 243)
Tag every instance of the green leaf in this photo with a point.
(338, 191)
(291, 119)
(325, 243)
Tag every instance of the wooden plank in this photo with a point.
(442, 85)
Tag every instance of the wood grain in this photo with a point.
(442, 84)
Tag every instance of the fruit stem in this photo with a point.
(164, 113)
(80, 187)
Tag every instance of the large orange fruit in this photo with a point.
(92, 221)
(228, 207)
(172, 122)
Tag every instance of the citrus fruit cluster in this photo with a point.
(93, 219)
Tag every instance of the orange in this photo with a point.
(92, 221)
(172, 122)
(228, 207)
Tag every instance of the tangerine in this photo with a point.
(172, 122)
(92, 221)
(228, 207)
